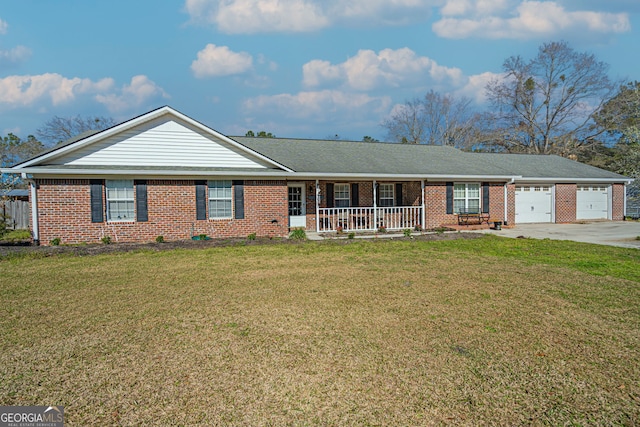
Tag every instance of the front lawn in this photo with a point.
(487, 331)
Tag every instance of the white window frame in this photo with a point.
(387, 195)
(465, 198)
(219, 192)
(119, 193)
(342, 195)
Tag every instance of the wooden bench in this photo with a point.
(472, 217)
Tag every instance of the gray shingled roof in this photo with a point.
(322, 156)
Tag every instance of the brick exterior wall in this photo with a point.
(617, 211)
(65, 212)
(566, 202)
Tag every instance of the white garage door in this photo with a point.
(533, 203)
(592, 202)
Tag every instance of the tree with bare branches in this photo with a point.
(546, 105)
(60, 129)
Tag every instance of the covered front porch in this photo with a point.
(333, 206)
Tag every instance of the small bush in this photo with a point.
(339, 230)
(418, 228)
(298, 234)
(351, 235)
(160, 239)
(55, 242)
(407, 232)
(106, 240)
(382, 229)
(252, 236)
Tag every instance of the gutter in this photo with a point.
(35, 226)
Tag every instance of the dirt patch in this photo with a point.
(25, 248)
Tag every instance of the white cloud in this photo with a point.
(217, 61)
(29, 90)
(465, 18)
(254, 16)
(3, 27)
(388, 68)
(318, 106)
(140, 91)
(16, 55)
(475, 87)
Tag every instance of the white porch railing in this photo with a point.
(369, 218)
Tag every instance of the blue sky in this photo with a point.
(295, 68)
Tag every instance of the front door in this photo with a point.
(297, 206)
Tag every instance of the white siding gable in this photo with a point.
(161, 142)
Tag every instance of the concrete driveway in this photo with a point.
(616, 233)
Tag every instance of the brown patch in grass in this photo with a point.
(392, 333)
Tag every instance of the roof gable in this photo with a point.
(161, 138)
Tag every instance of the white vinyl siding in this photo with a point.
(341, 195)
(220, 199)
(386, 195)
(120, 201)
(161, 143)
(466, 197)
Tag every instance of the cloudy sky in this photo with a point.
(296, 68)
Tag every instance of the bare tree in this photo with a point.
(60, 129)
(546, 105)
(435, 119)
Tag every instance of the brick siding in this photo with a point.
(566, 200)
(65, 212)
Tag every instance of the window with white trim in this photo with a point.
(466, 197)
(386, 195)
(342, 195)
(220, 199)
(120, 201)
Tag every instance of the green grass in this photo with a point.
(15, 235)
(468, 332)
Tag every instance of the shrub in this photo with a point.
(339, 230)
(418, 228)
(55, 242)
(106, 240)
(252, 236)
(382, 229)
(351, 235)
(407, 232)
(160, 239)
(298, 234)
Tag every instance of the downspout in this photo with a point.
(506, 200)
(35, 231)
(317, 206)
(424, 206)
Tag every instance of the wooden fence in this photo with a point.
(16, 213)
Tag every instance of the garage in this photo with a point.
(592, 202)
(534, 203)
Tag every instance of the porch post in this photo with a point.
(375, 206)
(424, 206)
(317, 206)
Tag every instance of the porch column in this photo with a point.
(317, 206)
(375, 206)
(424, 206)
(34, 213)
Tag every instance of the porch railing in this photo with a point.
(369, 218)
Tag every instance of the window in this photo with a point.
(466, 197)
(220, 199)
(341, 195)
(386, 195)
(120, 203)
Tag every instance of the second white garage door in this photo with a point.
(533, 203)
(592, 202)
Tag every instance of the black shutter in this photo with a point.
(355, 197)
(201, 199)
(399, 194)
(97, 207)
(485, 197)
(142, 211)
(377, 194)
(329, 195)
(449, 197)
(238, 199)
